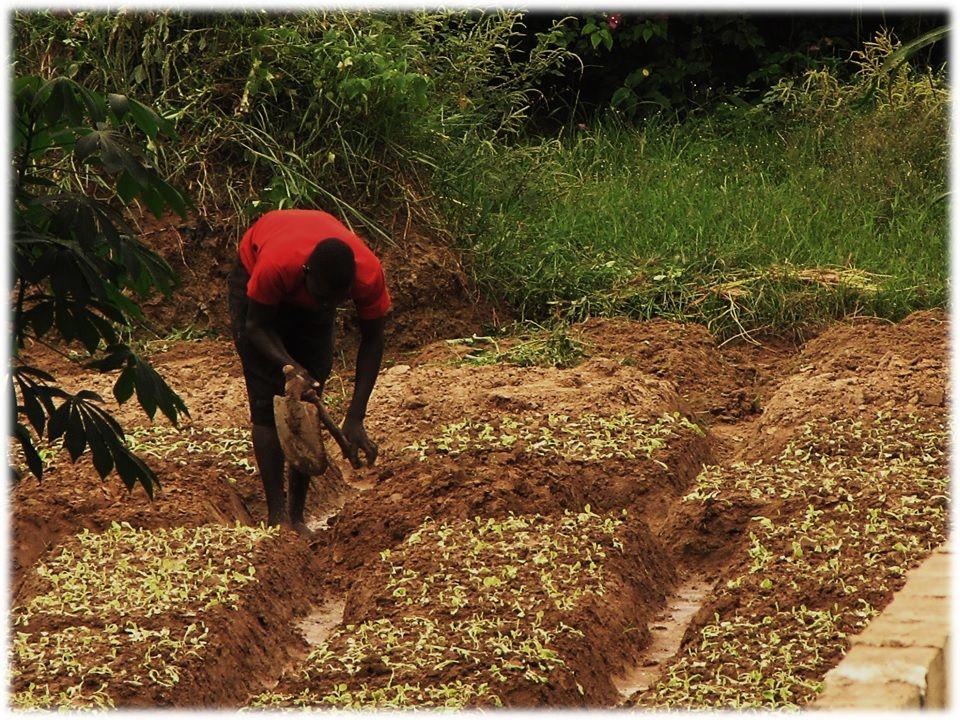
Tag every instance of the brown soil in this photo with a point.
(431, 292)
(749, 400)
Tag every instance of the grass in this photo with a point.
(848, 507)
(742, 223)
(529, 345)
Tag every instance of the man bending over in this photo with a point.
(294, 268)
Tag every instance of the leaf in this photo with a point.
(145, 119)
(132, 469)
(32, 406)
(102, 458)
(172, 197)
(86, 146)
(146, 393)
(127, 187)
(154, 200)
(57, 423)
(53, 108)
(30, 454)
(75, 439)
(905, 52)
(123, 387)
(119, 105)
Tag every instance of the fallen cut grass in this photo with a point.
(849, 507)
(588, 437)
(478, 606)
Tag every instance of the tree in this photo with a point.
(78, 162)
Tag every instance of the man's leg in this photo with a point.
(316, 355)
(266, 448)
(262, 383)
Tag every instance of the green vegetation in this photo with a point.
(78, 156)
(123, 608)
(102, 657)
(144, 573)
(849, 506)
(481, 601)
(821, 201)
(232, 444)
(587, 437)
(775, 209)
(530, 344)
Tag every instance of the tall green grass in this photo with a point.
(821, 203)
(763, 219)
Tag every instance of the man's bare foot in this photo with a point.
(279, 519)
(301, 527)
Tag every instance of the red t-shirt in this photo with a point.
(276, 247)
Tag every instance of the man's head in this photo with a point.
(329, 272)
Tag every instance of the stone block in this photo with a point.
(922, 667)
(848, 695)
(919, 607)
(890, 630)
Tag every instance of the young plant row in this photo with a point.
(476, 606)
(125, 609)
(849, 506)
(588, 437)
(159, 441)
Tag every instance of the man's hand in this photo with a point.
(356, 435)
(298, 383)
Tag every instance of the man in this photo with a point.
(295, 267)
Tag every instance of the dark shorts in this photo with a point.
(307, 335)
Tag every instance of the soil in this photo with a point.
(721, 406)
(431, 292)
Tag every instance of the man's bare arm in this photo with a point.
(369, 357)
(261, 330)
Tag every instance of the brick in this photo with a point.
(925, 587)
(846, 695)
(889, 630)
(919, 608)
(922, 667)
(936, 564)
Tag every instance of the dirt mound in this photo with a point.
(469, 570)
(411, 403)
(495, 484)
(184, 617)
(854, 370)
(717, 383)
(431, 292)
(524, 610)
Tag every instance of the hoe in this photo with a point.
(301, 419)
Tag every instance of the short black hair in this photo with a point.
(332, 261)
